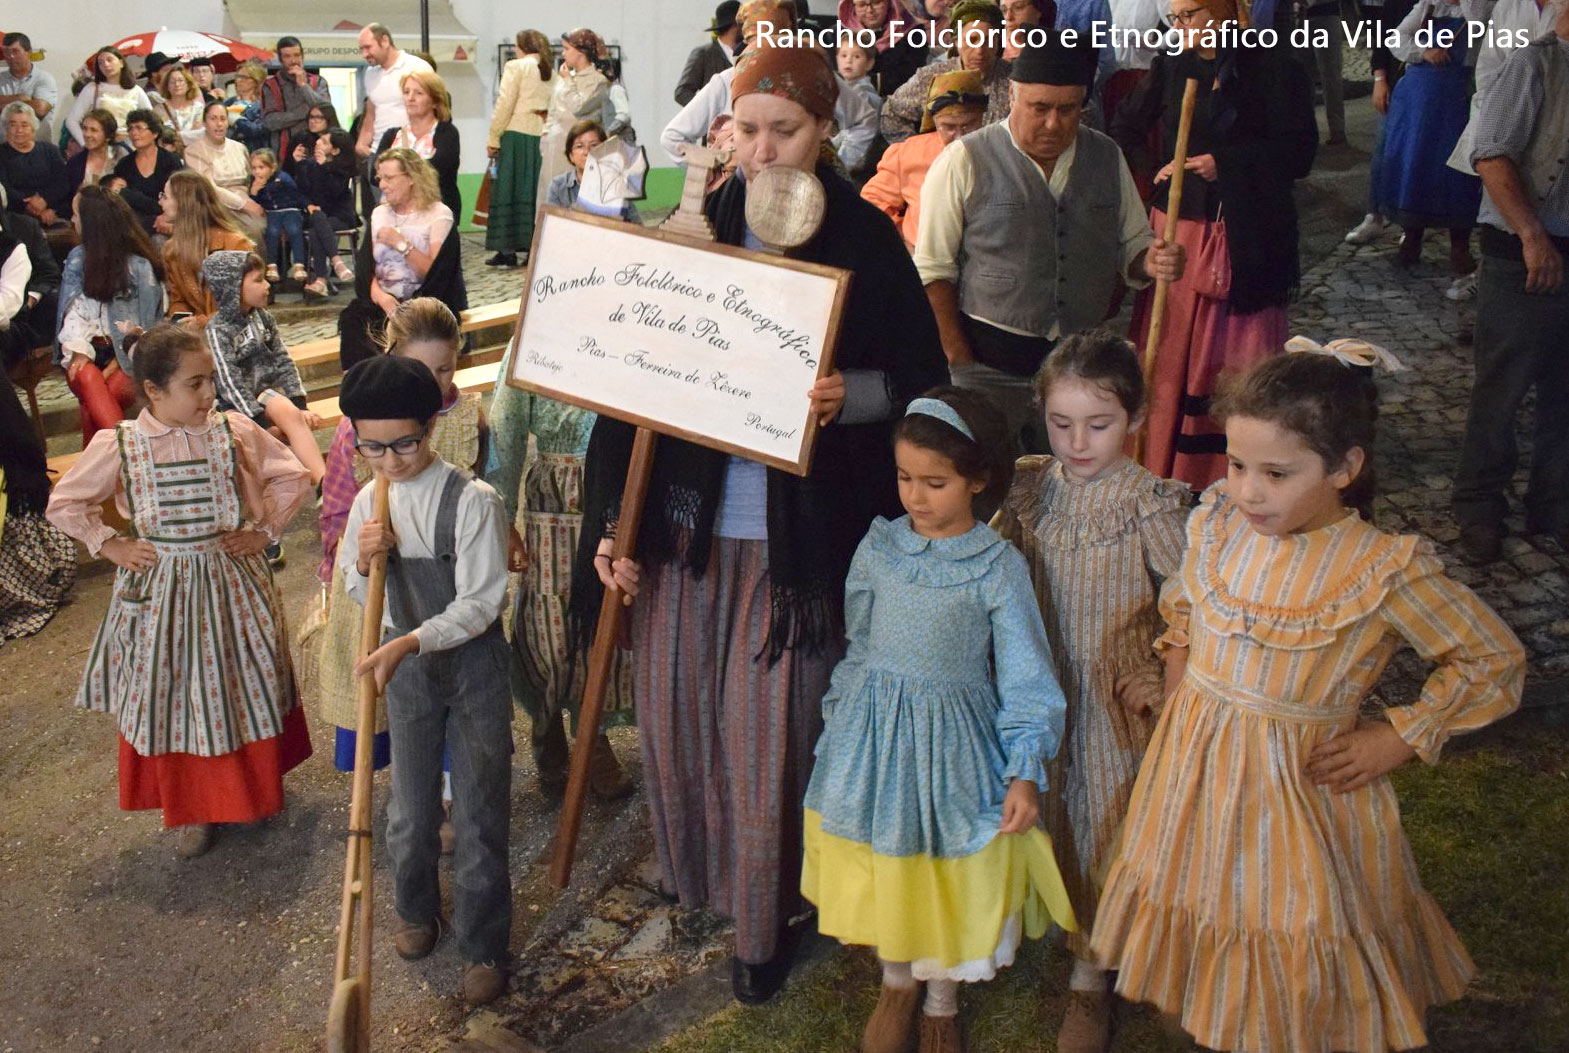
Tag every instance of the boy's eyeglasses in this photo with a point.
(402, 447)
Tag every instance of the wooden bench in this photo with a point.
(479, 375)
(481, 378)
(315, 353)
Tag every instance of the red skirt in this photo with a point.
(238, 787)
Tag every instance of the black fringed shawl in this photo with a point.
(1254, 112)
(816, 522)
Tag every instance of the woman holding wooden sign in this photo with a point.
(1253, 134)
(740, 569)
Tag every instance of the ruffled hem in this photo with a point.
(942, 913)
(981, 970)
(934, 562)
(1063, 514)
(1384, 561)
(1278, 992)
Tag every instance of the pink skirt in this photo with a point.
(1202, 344)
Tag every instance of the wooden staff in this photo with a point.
(1179, 161)
(348, 1018)
(601, 657)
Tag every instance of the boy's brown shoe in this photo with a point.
(483, 982)
(415, 939)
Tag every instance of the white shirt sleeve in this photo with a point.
(941, 232)
(1136, 235)
(14, 276)
(479, 572)
(691, 124)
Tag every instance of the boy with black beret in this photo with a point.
(442, 663)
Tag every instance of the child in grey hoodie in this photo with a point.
(255, 375)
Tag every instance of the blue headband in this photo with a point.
(943, 412)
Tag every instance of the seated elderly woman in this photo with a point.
(412, 251)
(141, 175)
(33, 172)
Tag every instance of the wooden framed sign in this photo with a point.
(705, 342)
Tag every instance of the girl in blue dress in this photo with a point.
(921, 838)
(1428, 110)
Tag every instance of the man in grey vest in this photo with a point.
(1028, 227)
(1521, 151)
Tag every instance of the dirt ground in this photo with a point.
(116, 944)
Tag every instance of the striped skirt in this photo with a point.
(552, 522)
(726, 740)
(1273, 915)
(192, 656)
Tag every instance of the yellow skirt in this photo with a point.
(952, 917)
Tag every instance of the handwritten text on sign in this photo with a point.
(711, 344)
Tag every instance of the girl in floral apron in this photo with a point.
(192, 657)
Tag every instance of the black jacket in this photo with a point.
(1254, 113)
(444, 161)
(815, 522)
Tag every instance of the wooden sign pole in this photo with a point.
(348, 1018)
(687, 219)
(1179, 162)
(601, 657)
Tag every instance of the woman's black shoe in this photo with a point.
(756, 984)
(502, 259)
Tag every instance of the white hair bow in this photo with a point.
(1351, 351)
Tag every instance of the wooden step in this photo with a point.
(480, 377)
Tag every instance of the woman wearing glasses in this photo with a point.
(1253, 135)
(411, 252)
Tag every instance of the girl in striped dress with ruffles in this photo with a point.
(1100, 533)
(192, 657)
(1264, 891)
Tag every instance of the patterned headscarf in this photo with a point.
(774, 13)
(975, 11)
(960, 87)
(801, 75)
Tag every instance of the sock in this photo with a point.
(897, 975)
(942, 998)
(1086, 977)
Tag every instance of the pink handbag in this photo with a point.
(1209, 272)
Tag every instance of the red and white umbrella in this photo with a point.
(226, 52)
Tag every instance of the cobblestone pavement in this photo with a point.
(1359, 292)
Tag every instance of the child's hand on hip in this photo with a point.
(1352, 759)
(374, 540)
(245, 542)
(621, 576)
(1020, 808)
(128, 553)
(383, 662)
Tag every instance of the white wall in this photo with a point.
(655, 37)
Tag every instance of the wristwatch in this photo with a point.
(403, 247)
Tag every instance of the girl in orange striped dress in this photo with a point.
(1264, 890)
